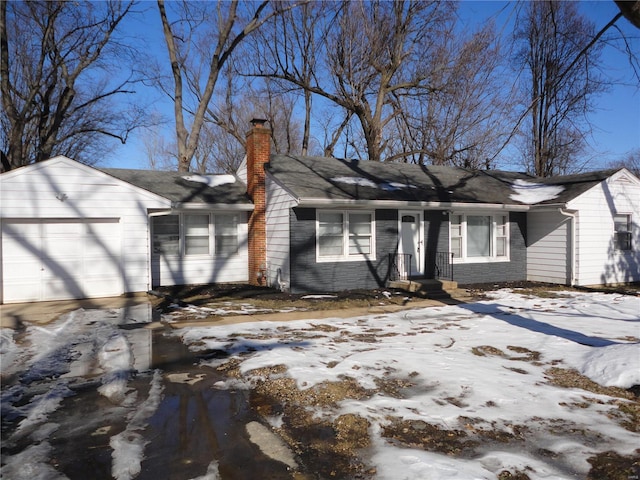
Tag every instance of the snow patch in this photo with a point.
(116, 359)
(530, 193)
(128, 446)
(365, 182)
(210, 180)
(213, 472)
(613, 366)
(39, 408)
(31, 464)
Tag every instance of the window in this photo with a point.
(622, 231)
(345, 235)
(360, 234)
(195, 234)
(166, 235)
(226, 234)
(479, 238)
(455, 235)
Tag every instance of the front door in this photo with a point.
(411, 241)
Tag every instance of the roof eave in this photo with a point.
(240, 207)
(549, 206)
(393, 204)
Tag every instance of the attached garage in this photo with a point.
(60, 259)
(70, 231)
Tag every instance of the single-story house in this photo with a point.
(305, 224)
(338, 224)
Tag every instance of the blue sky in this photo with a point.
(615, 123)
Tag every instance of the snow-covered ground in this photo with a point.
(484, 361)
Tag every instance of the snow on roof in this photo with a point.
(210, 180)
(365, 182)
(530, 193)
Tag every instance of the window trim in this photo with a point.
(185, 234)
(182, 235)
(628, 232)
(494, 227)
(346, 236)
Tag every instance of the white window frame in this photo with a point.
(627, 232)
(345, 256)
(182, 235)
(185, 234)
(495, 234)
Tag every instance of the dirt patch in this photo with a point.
(627, 409)
(330, 444)
(548, 290)
(226, 296)
(420, 434)
(613, 466)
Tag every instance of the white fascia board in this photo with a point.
(395, 204)
(548, 206)
(239, 207)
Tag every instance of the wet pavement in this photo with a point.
(196, 429)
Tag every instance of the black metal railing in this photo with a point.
(400, 266)
(444, 265)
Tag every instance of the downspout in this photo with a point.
(572, 214)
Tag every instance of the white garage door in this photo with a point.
(60, 259)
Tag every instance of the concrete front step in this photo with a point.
(424, 286)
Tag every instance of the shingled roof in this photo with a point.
(186, 187)
(329, 179)
(573, 185)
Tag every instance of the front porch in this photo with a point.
(427, 287)
(439, 268)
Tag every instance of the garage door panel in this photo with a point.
(63, 247)
(62, 289)
(23, 271)
(64, 268)
(95, 248)
(61, 259)
(18, 292)
(16, 251)
(100, 267)
(63, 228)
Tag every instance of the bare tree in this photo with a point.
(288, 53)
(200, 43)
(462, 120)
(59, 79)
(631, 162)
(562, 82)
(361, 59)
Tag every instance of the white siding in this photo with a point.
(241, 172)
(30, 193)
(599, 262)
(548, 247)
(203, 269)
(279, 203)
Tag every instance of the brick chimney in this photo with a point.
(258, 153)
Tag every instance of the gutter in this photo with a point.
(572, 215)
(392, 204)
